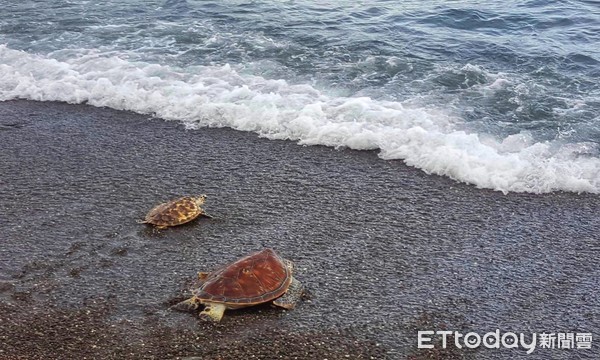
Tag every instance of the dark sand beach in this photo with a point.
(384, 249)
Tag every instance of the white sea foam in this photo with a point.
(429, 139)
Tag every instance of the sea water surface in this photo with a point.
(502, 95)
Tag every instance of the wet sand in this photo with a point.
(384, 249)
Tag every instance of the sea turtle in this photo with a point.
(176, 212)
(258, 278)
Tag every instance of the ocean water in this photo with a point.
(501, 95)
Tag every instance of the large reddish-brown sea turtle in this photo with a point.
(176, 212)
(255, 279)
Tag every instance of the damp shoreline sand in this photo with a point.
(384, 249)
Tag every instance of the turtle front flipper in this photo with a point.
(190, 304)
(291, 296)
(213, 311)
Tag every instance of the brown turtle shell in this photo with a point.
(175, 212)
(257, 278)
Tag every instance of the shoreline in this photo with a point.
(384, 249)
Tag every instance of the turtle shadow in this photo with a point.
(262, 309)
(150, 230)
(267, 310)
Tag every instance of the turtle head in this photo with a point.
(200, 199)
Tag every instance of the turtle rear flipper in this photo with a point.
(213, 312)
(190, 304)
(291, 296)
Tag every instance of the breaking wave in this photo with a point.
(432, 139)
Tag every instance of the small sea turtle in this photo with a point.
(255, 279)
(176, 212)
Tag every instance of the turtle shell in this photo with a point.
(175, 212)
(257, 278)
